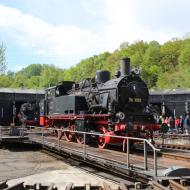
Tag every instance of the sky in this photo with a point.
(62, 32)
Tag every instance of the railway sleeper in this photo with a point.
(174, 185)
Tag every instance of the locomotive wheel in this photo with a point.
(70, 136)
(101, 139)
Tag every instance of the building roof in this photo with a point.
(170, 91)
(21, 91)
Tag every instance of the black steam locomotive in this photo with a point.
(116, 106)
(29, 114)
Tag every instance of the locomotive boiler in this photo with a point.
(116, 106)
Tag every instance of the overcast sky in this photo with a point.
(62, 32)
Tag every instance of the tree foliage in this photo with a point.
(162, 66)
(34, 76)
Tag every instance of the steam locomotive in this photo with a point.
(29, 114)
(101, 105)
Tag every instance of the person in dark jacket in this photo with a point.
(186, 124)
(181, 118)
(171, 123)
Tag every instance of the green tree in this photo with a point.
(86, 68)
(170, 52)
(136, 52)
(184, 58)
(32, 82)
(32, 70)
(184, 65)
(6, 81)
(162, 66)
(50, 76)
(19, 81)
(151, 64)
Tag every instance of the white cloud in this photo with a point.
(40, 52)
(125, 20)
(42, 38)
(130, 20)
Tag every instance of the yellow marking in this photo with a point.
(136, 100)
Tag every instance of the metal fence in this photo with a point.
(4, 131)
(83, 149)
(42, 135)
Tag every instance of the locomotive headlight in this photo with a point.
(120, 115)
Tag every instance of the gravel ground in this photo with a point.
(37, 167)
(16, 164)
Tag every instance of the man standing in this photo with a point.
(186, 124)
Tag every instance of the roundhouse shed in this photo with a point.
(171, 102)
(11, 101)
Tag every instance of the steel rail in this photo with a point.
(176, 186)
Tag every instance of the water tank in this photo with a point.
(102, 76)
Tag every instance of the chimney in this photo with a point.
(125, 66)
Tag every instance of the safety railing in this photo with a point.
(12, 131)
(4, 131)
(44, 132)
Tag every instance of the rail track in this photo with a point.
(178, 183)
(169, 159)
(176, 156)
(174, 146)
(172, 184)
(88, 168)
(175, 151)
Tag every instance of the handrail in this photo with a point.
(145, 141)
(107, 135)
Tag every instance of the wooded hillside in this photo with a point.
(162, 66)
